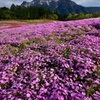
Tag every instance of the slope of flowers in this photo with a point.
(54, 61)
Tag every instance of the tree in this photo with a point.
(81, 16)
(88, 16)
(97, 14)
(69, 17)
(6, 13)
(13, 8)
(53, 16)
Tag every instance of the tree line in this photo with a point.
(32, 12)
(20, 12)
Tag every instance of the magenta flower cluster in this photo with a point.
(53, 61)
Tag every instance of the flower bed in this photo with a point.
(53, 61)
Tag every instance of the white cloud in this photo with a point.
(88, 2)
(8, 3)
(81, 1)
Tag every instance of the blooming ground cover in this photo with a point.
(52, 61)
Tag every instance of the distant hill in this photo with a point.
(62, 6)
(93, 9)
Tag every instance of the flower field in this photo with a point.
(51, 61)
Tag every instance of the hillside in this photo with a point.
(62, 6)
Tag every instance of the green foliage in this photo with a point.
(4, 61)
(5, 86)
(61, 40)
(69, 17)
(78, 16)
(14, 52)
(27, 42)
(95, 15)
(53, 16)
(6, 13)
(33, 12)
(90, 91)
(37, 40)
(13, 7)
(66, 52)
(21, 47)
(98, 70)
(69, 70)
(98, 87)
(41, 79)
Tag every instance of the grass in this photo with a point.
(4, 24)
(35, 21)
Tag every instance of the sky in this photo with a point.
(86, 3)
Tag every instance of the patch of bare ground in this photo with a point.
(4, 24)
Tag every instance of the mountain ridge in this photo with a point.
(61, 6)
